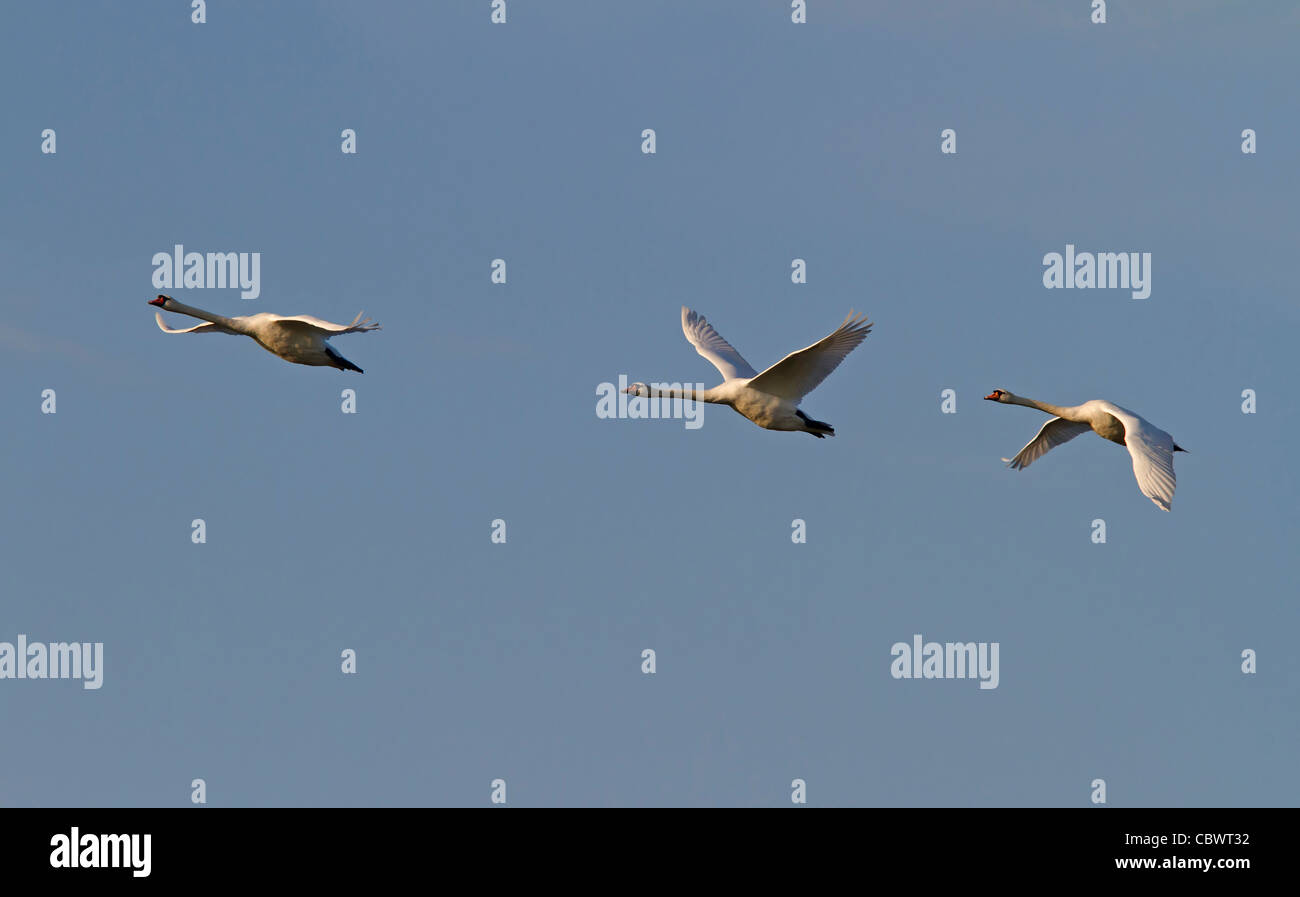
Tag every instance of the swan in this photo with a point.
(1151, 447)
(769, 399)
(300, 339)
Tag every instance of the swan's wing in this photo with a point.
(1055, 432)
(709, 343)
(206, 327)
(328, 328)
(798, 374)
(1153, 455)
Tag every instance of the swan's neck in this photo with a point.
(1067, 412)
(689, 392)
(182, 308)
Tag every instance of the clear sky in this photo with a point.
(522, 661)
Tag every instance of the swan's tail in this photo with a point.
(818, 428)
(340, 362)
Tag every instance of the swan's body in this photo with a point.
(770, 399)
(1152, 448)
(300, 339)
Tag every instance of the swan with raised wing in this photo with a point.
(770, 399)
(300, 339)
(1152, 448)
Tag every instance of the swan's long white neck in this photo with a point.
(689, 392)
(698, 395)
(182, 308)
(1067, 412)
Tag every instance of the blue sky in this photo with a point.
(522, 660)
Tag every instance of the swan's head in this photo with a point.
(999, 395)
(638, 389)
(161, 301)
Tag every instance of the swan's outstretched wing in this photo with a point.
(1055, 432)
(207, 327)
(1153, 455)
(709, 343)
(799, 373)
(328, 328)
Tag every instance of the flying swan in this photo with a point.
(1151, 447)
(769, 399)
(300, 339)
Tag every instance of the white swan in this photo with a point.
(769, 399)
(300, 339)
(1151, 447)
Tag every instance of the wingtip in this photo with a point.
(857, 321)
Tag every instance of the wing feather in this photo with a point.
(799, 373)
(206, 327)
(1153, 455)
(326, 327)
(710, 344)
(1056, 431)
